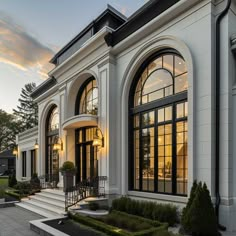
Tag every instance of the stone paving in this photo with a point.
(14, 221)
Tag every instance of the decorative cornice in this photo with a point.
(145, 14)
(42, 88)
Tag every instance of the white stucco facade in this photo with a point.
(189, 28)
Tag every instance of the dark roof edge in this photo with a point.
(71, 42)
(142, 16)
(42, 88)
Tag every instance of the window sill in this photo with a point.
(158, 196)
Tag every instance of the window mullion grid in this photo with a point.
(174, 165)
(140, 153)
(156, 151)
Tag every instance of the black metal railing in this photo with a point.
(91, 187)
(49, 181)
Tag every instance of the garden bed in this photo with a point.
(72, 228)
(119, 223)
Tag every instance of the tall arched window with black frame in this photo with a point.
(158, 110)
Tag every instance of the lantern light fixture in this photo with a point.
(15, 152)
(58, 145)
(98, 139)
(36, 145)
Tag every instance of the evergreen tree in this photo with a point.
(27, 111)
(185, 220)
(199, 216)
(9, 127)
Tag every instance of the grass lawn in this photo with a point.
(3, 182)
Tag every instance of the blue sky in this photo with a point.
(32, 31)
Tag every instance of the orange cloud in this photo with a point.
(19, 49)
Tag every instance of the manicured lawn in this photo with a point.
(3, 182)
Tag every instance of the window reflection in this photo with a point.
(160, 155)
(54, 120)
(89, 99)
(163, 77)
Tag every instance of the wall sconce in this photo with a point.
(98, 139)
(36, 145)
(58, 145)
(15, 152)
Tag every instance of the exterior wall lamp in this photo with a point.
(15, 152)
(36, 145)
(98, 139)
(58, 145)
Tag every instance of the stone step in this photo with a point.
(54, 192)
(53, 210)
(51, 196)
(48, 201)
(41, 212)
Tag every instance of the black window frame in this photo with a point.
(80, 93)
(33, 161)
(172, 100)
(24, 163)
(49, 135)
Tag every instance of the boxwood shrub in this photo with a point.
(115, 231)
(151, 210)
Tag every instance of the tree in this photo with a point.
(9, 127)
(27, 111)
(199, 216)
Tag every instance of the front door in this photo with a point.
(86, 155)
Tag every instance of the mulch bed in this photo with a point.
(72, 228)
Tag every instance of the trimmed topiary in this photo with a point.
(12, 180)
(184, 219)
(199, 216)
(68, 166)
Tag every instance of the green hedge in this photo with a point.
(115, 231)
(151, 210)
(14, 194)
(153, 223)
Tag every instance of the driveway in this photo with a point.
(15, 221)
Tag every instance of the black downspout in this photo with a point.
(217, 104)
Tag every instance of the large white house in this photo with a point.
(148, 101)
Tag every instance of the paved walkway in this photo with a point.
(228, 233)
(14, 221)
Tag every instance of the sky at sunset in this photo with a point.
(32, 31)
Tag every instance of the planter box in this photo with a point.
(68, 180)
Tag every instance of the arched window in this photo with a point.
(52, 135)
(158, 127)
(87, 98)
(53, 120)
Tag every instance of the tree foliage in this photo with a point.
(9, 127)
(199, 217)
(27, 111)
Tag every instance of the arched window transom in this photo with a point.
(162, 77)
(158, 127)
(87, 99)
(53, 123)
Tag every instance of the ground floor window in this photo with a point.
(160, 160)
(86, 155)
(52, 162)
(33, 162)
(23, 164)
